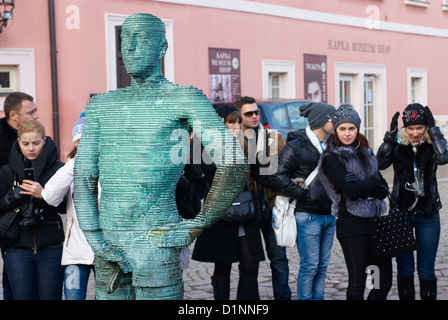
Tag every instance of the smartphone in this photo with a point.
(29, 174)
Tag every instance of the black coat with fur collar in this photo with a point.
(427, 158)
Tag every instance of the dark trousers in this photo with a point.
(358, 256)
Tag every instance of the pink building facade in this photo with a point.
(377, 55)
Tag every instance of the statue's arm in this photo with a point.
(232, 169)
(86, 191)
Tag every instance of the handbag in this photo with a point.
(284, 221)
(392, 235)
(10, 224)
(242, 209)
(9, 228)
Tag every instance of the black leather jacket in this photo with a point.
(298, 159)
(428, 157)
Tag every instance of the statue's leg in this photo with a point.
(103, 270)
(173, 292)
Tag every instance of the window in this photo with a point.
(297, 121)
(417, 86)
(281, 117)
(364, 86)
(345, 89)
(445, 5)
(369, 109)
(279, 79)
(274, 85)
(17, 69)
(8, 79)
(417, 3)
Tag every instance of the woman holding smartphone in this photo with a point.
(33, 263)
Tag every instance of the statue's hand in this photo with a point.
(105, 251)
(177, 235)
(116, 255)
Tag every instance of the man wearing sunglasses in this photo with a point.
(262, 147)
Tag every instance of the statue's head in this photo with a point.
(143, 44)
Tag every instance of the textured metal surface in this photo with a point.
(135, 144)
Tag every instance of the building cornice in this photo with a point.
(309, 15)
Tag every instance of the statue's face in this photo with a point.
(141, 47)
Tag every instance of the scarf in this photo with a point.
(361, 162)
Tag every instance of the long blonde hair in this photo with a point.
(403, 135)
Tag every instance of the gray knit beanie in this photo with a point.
(318, 113)
(346, 114)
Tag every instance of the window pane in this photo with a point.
(4, 80)
(297, 121)
(281, 117)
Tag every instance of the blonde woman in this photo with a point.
(33, 263)
(77, 256)
(415, 151)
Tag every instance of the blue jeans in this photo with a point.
(76, 278)
(427, 235)
(35, 275)
(279, 263)
(315, 234)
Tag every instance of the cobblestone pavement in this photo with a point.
(197, 281)
(197, 277)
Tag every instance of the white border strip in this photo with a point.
(308, 15)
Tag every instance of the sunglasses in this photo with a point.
(251, 113)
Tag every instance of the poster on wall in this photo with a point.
(224, 75)
(315, 69)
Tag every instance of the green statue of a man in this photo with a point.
(126, 171)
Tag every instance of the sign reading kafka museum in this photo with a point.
(358, 46)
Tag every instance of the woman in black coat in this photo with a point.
(349, 171)
(415, 152)
(224, 242)
(33, 263)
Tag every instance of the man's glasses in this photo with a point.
(251, 113)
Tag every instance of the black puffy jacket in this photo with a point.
(49, 230)
(428, 157)
(297, 160)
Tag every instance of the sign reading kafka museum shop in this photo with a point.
(358, 46)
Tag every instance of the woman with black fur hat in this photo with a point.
(415, 151)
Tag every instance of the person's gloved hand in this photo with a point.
(11, 200)
(391, 135)
(15, 197)
(351, 177)
(429, 117)
(394, 122)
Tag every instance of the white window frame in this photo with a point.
(445, 5)
(358, 71)
(113, 20)
(24, 62)
(13, 81)
(421, 92)
(417, 3)
(287, 80)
